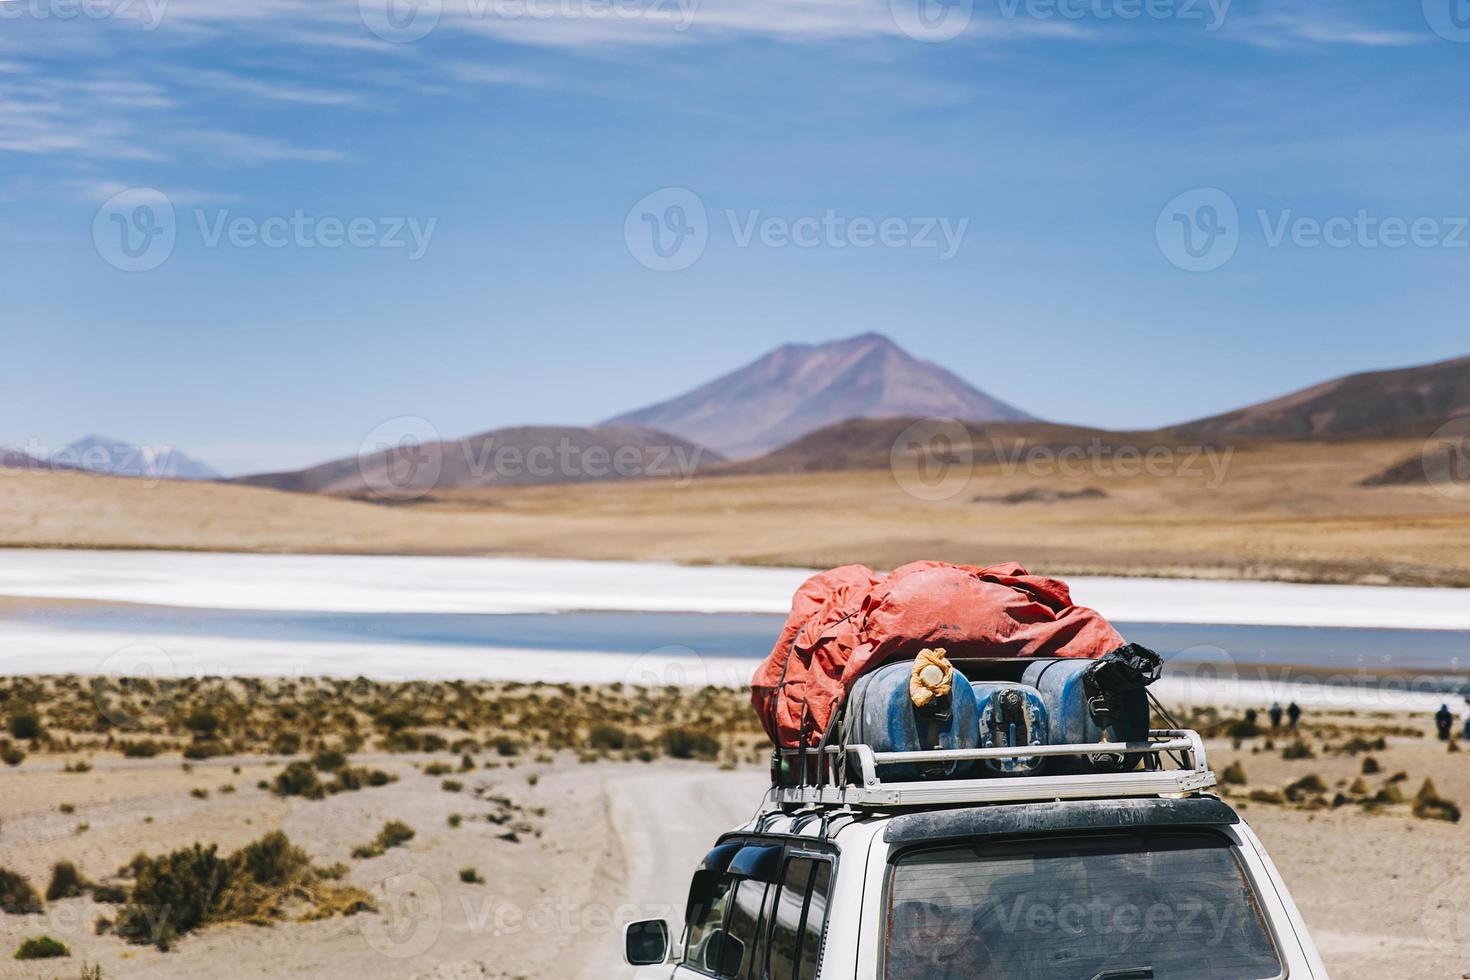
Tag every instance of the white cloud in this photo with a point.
(272, 90)
(251, 150)
(1293, 25)
(98, 191)
(477, 74)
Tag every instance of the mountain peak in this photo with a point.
(799, 388)
(114, 457)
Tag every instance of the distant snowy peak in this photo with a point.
(99, 454)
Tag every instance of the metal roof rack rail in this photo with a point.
(830, 784)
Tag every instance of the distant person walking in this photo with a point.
(1443, 721)
(1293, 714)
(1275, 714)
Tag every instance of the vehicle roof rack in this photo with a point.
(850, 776)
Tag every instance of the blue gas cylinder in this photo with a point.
(883, 717)
(1011, 715)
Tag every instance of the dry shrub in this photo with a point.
(66, 882)
(17, 897)
(191, 888)
(1429, 805)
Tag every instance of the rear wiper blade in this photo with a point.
(1129, 973)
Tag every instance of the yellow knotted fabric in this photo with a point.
(933, 677)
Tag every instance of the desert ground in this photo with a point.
(569, 830)
(1290, 511)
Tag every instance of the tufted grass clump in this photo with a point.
(299, 779)
(194, 887)
(395, 833)
(42, 948)
(1297, 750)
(17, 897)
(66, 882)
(1429, 805)
(691, 743)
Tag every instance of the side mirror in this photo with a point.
(646, 943)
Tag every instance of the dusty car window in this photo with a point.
(1176, 904)
(798, 920)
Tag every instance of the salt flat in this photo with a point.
(429, 584)
(31, 649)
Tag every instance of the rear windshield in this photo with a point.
(1165, 905)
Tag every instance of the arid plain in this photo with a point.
(1286, 510)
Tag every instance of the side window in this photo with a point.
(799, 918)
(814, 925)
(741, 955)
(701, 951)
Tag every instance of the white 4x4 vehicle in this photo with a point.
(1093, 876)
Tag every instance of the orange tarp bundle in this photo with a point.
(850, 620)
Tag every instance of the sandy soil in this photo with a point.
(1384, 893)
(1286, 511)
(551, 906)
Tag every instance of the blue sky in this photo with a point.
(1067, 144)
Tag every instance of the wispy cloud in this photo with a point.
(478, 74)
(1301, 24)
(249, 150)
(272, 90)
(98, 191)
